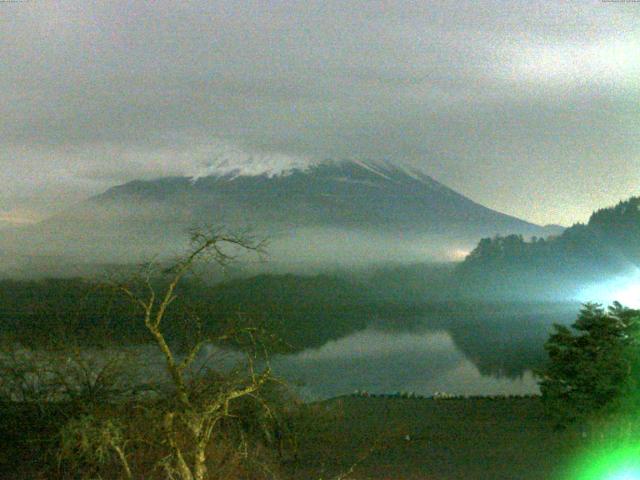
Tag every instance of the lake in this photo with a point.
(452, 348)
(463, 350)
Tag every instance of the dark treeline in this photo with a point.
(608, 244)
(301, 311)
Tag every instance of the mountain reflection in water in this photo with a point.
(486, 354)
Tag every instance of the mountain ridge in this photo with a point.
(329, 179)
(342, 212)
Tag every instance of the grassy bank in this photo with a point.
(480, 438)
(387, 438)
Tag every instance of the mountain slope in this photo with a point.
(341, 194)
(349, 211)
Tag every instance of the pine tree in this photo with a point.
(593, 365)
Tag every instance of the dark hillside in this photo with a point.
(608, 244)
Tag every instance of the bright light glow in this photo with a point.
(619, 463)
(626, 474)
(624, 289)
(459, 254)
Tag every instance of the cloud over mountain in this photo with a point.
(499, 100)
(326, 214)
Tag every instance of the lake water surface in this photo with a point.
(383, 362)
(455, 349)
(487, 353)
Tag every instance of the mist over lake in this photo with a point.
(490, 352)
(421, 364)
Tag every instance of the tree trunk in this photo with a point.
(183, 469)
(200, 465)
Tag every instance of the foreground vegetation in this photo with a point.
(376, 438)
(191, 424)
(476, 438)
(592, 369)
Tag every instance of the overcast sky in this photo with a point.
(529, 107)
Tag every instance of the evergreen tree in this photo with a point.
(592, 365)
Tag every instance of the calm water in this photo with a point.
(456, 349)
(382, 362)
(491, 352)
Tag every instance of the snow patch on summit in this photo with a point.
(233, 162)
(229, 162)
(371, 167)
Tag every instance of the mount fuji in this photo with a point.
(342, 211)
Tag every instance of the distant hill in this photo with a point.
(337, 212)
(607, 245)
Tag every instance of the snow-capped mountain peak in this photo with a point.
(233, 164)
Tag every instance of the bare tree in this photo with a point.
(199, 404)
(94, 441)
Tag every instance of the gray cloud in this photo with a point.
(514, 103)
